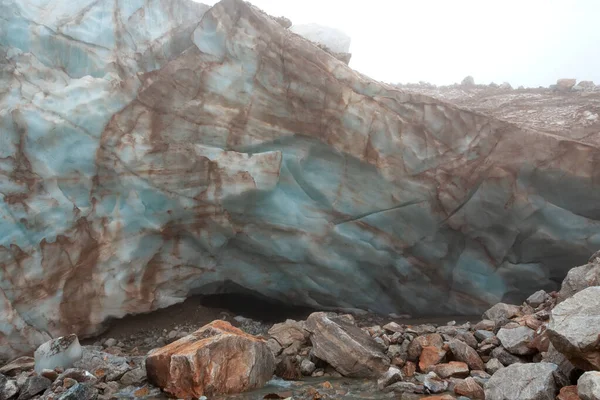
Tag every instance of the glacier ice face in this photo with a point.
(334, 39)
(165, 151)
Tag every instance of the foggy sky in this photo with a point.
(524, 42)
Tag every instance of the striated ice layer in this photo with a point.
(151, 150)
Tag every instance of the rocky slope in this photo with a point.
(152, 150)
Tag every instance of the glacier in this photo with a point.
(153, 150)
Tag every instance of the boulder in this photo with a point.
(568, 393)
(564, 365)
(430, 356)
(565, 84)
(103, 365)
(493, 365)
(428, 340)
(288, 368)
(434, 384)
(505, 357)
(289, 332)
(79, 391)
(538, 298)
(8, 388)
(15, 367)
(462, 352)
(307, 367)
(574, 327)
(517, 340)
(61, 352)
(32, 386)
(469, 388)
(350, 350)
(468, 81)
(500, 312)
(216, 359)
(392, 375)
(588, 386)
(580, 278)
(523, 382)
(453, 369)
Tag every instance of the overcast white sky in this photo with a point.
(524, 42)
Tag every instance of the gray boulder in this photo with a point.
(33, 385)
(103, 365)
(500, 312)
(516, 340)
(493, 365)
(588, 386)
(580, 278)
(505, 357)
(79, 391)
(574, 327)
(8, 388)
(537, 298)
(462, 352)
(523, 382)
(344, 346)
(564, 365)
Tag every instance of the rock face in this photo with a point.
(159, 149)
(523, 382)
(344, 346)
(574, 327)
(216, 359)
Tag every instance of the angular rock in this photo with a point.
(453, 369)
(8, 388)
(588, 386)
(574, 327)
(405, 387)
(33, 385)
(500, 312)
(469, 388)
(517, 340)
(61, 352)
(288, 332)
(274, 346)
(288, 368)
(135, 377)
(79, 392)
(391, 376)
(564, 365)
(493, 365)
(462, 352)
(351, 351)
(565, 84)
(434, 384)
(17, 366)
(524, 382)
(580, 278)
(430, 356)
(537, 298)
(429, 340)
(103, 365)
(468, 81)
(393, 327)
(568, 393)
(409, 369)
(216, 359)
(158, 142)
(505, 357)
(482, 335)
(307, 367)
(485, 325)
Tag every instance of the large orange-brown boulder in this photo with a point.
(216, 359)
